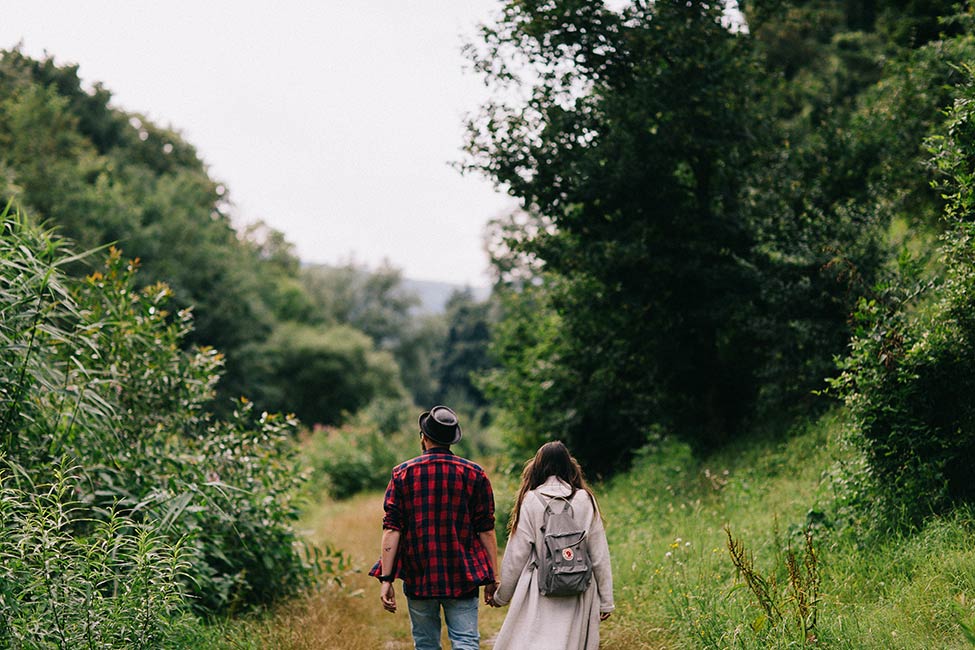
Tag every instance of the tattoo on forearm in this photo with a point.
(388, 548)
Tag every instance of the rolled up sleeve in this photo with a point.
(482, 515)
(393, 507)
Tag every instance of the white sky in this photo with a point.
(333, 121)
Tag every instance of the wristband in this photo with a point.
(389, 578)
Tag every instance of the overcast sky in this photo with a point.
(333, 121)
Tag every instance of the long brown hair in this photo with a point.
(551, 459)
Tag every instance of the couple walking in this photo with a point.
(438, 538)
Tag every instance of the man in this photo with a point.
(438, 537)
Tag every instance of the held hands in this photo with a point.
(489, 591)
(388, 596)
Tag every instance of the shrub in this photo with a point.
(68, 581)
(94, 374)
(356, 457)
(911, 371)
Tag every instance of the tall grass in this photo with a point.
(67, 581)
(678, 586)
(163, 508)
(797, 508)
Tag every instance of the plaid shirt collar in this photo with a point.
(438, 450)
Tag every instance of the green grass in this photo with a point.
(878, 590)
(676, 586)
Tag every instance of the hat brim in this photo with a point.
(422, 421)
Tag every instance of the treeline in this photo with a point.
(714, 206)
(317, 341)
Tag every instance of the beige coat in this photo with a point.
(537, 622)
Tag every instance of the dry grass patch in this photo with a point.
(349, 617)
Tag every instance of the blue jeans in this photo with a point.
(460, 615)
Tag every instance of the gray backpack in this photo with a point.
(564, 567)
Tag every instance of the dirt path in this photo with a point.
(354, 526)
(350, 617)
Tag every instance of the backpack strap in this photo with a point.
(533, 563)
(566, 505)
(566, 501)
(548, 509)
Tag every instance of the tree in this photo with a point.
(633, 143)
(102, 175)
(321, 374)
(704, 202)
(419, 353)
(373, 302)
(376, 303)
(465, 352)
(842, 189)
(911, 367)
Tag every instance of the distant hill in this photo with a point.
(434, 295)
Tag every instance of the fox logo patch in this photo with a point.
(568, 554)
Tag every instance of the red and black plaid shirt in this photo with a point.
(439, 502)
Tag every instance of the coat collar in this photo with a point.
(554, 487)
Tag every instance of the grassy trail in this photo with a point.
(351, 618)
(674, 583)
(354, 527)
(356, 619)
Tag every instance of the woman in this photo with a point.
(535, 621)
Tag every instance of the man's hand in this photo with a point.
(604, 615)
(387, 566)
(388, 596)
(489, 591)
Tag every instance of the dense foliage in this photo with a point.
(706, 199)
(436, 353)
(102, 175)
(120, 490)
(632, 145)
(911, 372)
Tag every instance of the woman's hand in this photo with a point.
(489, 591)
(604, 615)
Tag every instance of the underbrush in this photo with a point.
(811, 568)
(359, 455)
(127, 508)
(353, 458)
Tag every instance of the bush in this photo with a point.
(93, 374)
(356, 457)
(911, 372)
(321, 374)
(68, 581)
